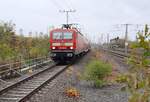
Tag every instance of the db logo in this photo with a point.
(62, 47)
(62, 44)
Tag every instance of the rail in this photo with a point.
(120, 53)
(31, 85)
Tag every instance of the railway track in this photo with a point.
(119, 54)
(24, 89)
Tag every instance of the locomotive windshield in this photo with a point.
(67, 35)
(57, 35)
(62, 35)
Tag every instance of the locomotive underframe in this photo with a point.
(65, 55)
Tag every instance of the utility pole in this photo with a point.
(126, 38)
(67, 14)
(21, 32)
(126, 33)
(102, 38)
(107, 39)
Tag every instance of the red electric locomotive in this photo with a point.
(66, 43)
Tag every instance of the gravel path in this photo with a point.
(55, 91)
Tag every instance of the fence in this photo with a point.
(22, 65)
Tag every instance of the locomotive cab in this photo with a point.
(67, 43)
(62, 44)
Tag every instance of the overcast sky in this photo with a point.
(94, 16)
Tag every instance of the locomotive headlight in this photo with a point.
(53, 47)
(71, 47)
(69, 54)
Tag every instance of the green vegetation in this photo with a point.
(138, 77)
(96, 71)
(14, 47)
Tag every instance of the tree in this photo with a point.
(14, 46)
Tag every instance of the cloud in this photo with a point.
(97, 16)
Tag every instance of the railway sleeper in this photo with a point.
(6, 99)
(42, 92)
(31, 83)
(23, 89)
(34, 82)
(26, 87)
(39, 78)
(18, 92)
(44, 89)
(35, 79)
(8, 95)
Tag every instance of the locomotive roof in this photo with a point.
(60, 29)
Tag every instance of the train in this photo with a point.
(117, 43)
(67, 43)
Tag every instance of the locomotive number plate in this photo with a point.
(62, 47)
(62, 44)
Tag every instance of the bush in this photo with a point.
(96, 71)
(14, 47)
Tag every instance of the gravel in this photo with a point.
(55, 91)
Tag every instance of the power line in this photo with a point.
(62, 5)
(71, 6)
(126, 37)
(56, 4)
(68, 4)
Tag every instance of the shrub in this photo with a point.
(138, 77)
(96, 71)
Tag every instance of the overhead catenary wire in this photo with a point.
(71, 6)
(67, 5)
(56, 4)
(62, 6)
(76, 16)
